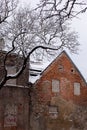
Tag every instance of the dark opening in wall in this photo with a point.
(73, 70)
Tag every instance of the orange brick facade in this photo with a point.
(63, 70)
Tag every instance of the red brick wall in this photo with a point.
(67, 77)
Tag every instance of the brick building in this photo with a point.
(59, 97)
(55, 96)
(63, 78)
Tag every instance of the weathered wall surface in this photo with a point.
(13, 64)
(14, 96)
(59, 114)
(60, 107)
(51, 108)
(14, 108)
(65, 72)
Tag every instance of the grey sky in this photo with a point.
(80, 26)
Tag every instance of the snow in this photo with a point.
(33, 79)
(40, 66)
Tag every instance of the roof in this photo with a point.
(46, 67)
(36, 68)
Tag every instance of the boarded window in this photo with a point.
(46, 86)
(60, 68)
(53, 112)
(11, 71)
(55, 85)
(77, 88)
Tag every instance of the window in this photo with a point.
(55, 85)
(53, 112)
(60, 68)
(77, 88)
(46, 85)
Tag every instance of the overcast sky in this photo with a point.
(80, 26)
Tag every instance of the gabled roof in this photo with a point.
(64, 52)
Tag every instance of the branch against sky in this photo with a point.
(63, 8)
(6, 9)
(46, 27)
(51, 32)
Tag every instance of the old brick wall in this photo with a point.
(67, 76)
(56, 109)
(14, 108)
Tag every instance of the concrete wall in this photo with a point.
(13, 64)
(14, 108)
(14, 96)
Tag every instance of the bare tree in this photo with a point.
(46, 27)
(6, 9)
(63, 9)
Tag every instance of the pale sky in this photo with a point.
(80, 26)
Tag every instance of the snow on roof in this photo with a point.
(35, 70)
(42, 66)
(33, 79)
(39, 65)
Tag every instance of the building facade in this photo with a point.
(56, 101)
(14, 96)
(63, 78)
(59, 98)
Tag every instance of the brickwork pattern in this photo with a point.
(67, 76)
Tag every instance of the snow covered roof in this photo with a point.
(36, 69)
